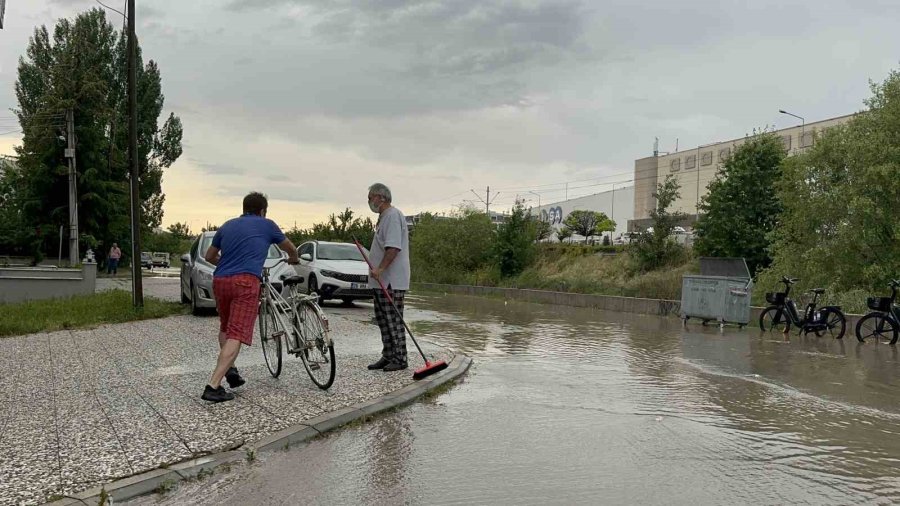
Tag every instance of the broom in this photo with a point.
(430, 367)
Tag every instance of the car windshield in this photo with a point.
(274, 252)
(339, 252)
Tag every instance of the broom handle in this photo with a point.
(391, 300)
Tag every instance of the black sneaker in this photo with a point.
(379, 365)
(394, 366)
(216, 394)
(234, 378)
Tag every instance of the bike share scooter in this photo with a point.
(783, 312)
(883, 322)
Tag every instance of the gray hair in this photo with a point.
(380, 189)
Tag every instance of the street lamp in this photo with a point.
(539, 199)
(802, 121)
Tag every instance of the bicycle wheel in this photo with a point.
(774, 319)
(836, 324)
(317, 350)
(875, 327)
(270, 333)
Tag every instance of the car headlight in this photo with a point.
(330, 274)
(205, 276)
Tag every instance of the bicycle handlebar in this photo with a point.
(789, 281)
(894, 283)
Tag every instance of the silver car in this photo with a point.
(197, 273)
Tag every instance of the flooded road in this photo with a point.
(567, 405)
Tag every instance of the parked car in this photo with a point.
(334, 270)
(146, 260)
(197, 273)
(160, 259)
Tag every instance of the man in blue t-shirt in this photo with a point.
(244, 244)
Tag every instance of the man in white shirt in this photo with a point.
(389, 255)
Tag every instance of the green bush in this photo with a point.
(452, 249)
(515, 244)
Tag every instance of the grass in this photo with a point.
(83, 311)
(600, 274)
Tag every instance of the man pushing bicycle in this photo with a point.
(243, 243)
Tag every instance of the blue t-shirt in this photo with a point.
(244, 243)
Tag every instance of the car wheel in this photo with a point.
(347, 302)
(312, 288)
(195, 309)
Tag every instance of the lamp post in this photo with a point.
(539, 199)
(802, 121)
(137, 285)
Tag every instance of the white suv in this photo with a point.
(334, 270)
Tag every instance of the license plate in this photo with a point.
(359, 286)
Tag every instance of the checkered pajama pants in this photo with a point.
(393, 334)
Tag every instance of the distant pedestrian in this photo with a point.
(389, 255)
(244, 244)
(112, 259)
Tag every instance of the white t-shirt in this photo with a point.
(391, 232)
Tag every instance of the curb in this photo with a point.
(150, 481)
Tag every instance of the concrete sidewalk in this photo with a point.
(82, 408)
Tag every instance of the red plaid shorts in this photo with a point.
(237, 300)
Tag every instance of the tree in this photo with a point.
(563, 234)
(741, 208)
(588, 223)
(446, 249)
(340, 227)
(180, 231)
(656, 248)
(542, 229)
(13, 233)
(841, 203)
(82, 68)
(515, 247)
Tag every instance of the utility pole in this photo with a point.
(73, 188)
(487, 202)
(137, 285)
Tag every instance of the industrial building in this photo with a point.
(696, 167)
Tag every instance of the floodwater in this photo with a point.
(567, 406)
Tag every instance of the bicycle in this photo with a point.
(295, 322)
(782, 313)
(884, 320)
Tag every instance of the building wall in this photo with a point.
(696, 167)
(646, 173)
(618, 204)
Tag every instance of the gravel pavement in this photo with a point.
(85, 407)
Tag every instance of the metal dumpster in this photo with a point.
(720, 293)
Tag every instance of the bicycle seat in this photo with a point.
(293, 280)
(817, 291)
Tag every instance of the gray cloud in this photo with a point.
(219, 169)
(303, 195)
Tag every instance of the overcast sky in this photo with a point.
(310, 101)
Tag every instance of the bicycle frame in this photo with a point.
(813, 316)
(285, 310)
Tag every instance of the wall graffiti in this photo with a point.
(553, 216)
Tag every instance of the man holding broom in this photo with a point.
(389, 256)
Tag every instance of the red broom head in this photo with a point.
(429, 368)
